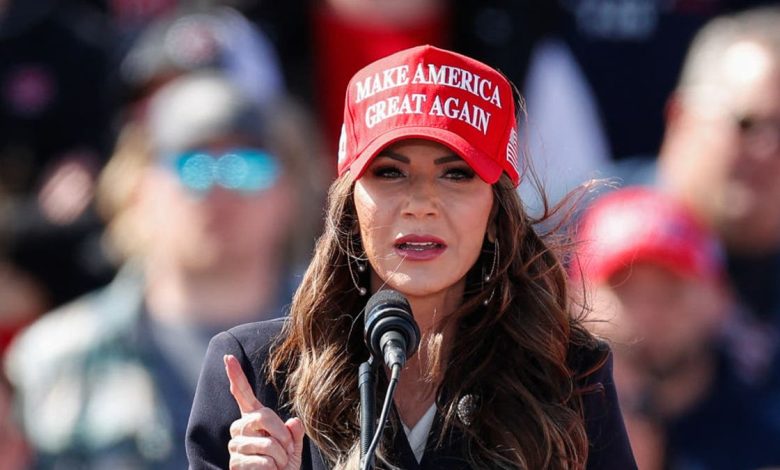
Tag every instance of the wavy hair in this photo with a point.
(527, 409)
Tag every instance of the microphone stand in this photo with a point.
(367, 387)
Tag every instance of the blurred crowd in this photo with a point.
(163, 169)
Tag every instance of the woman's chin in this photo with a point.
(412, 286)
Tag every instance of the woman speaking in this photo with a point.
(506, 376)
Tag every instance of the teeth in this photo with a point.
(419, 246)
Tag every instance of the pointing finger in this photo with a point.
(239, 386)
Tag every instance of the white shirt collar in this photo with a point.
(418, 437)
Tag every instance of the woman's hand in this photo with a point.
(260, 439)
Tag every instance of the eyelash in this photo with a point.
(387, 171)
(454, 173)
(462, 173)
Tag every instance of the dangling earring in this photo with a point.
(361, 267)
(489, 276)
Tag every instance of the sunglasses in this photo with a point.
(240, 170)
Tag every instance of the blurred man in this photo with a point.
(211, 201)
(659, 293)
(721, 151)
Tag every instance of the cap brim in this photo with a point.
(487, 169)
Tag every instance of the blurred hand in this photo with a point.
(260, 439)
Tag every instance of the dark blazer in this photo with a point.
(214, 409)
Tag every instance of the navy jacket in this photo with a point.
(214, 409)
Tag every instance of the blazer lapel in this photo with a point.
(401, 452)
(314, 458)
(448, 455)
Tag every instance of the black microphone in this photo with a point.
(390, 330)
(391, 334)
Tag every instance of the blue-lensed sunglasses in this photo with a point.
(242, 170)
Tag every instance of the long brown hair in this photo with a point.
(509, 362)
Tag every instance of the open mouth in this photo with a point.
(419, 246)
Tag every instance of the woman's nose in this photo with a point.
(422, 199)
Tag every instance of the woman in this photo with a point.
(425, 204)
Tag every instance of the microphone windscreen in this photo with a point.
(386, 311)
(388, 297)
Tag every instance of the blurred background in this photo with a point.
(163, 168)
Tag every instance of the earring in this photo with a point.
(361, 267)
(487, 277)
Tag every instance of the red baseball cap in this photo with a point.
(643, 225)
(430, 93)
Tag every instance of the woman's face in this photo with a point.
(423, 214)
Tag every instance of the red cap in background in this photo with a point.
(640, 224)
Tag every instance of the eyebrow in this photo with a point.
(404, 159)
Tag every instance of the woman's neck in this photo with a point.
(424, 371)
(415, 393)
(432, 312)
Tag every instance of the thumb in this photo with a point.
(295, 426)
(239, 386)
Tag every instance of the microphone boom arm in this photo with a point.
(367, 387)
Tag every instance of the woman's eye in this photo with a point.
(459, 173)
(387, 172)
